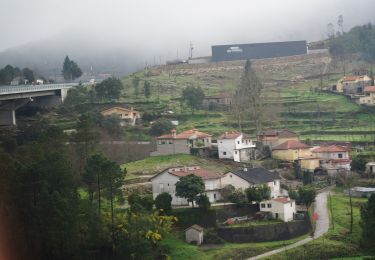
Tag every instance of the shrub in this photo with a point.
(161, 126)
(138, 203)
(163, 201)
(203, 201)
(238, 197)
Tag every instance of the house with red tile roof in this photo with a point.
(281, 208)
(352, 84)
(166, 180)
(291, 150)
(274, 137)
(235, 146)
(333, 157)
(368, 97)
(181, 143)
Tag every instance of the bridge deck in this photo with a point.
(6, 90)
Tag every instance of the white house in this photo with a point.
(249, 177)
(281, 208)
(166, 181)
(236, 146)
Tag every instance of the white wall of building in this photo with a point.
(279, 210)
(166, 182)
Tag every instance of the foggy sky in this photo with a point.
(166, 27)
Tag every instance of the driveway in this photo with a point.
(322, 225)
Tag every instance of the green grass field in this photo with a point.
(299, 106)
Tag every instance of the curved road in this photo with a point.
(322, 225)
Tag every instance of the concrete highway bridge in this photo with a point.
(13, 97)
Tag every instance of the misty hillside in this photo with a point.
(45, 56)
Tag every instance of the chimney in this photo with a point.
(131, 108)
(226, 133)
(195, 131)
(173, 133)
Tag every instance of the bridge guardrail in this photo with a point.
(4, 90)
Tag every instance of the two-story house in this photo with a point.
(274, 137)
(333, 157)
(291, 150)
(174, 143)
(281, 208)
(368, 97)
(352, 84)
(236, 146)
(249, 177)
(127, 115)
(166, 181)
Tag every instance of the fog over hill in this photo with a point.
(119, 37)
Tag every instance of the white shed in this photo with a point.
(194, 234)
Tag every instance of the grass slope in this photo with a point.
(180, 250)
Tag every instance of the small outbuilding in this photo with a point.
(194, 234)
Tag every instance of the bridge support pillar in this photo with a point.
(8, 111)
(7, 114)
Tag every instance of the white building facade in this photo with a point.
(281, 208)
(236, 146)
(166, 182)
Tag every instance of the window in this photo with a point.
(263, 205)
(162, 142)
(339, 155)
(214, 195)
(224, 153)
(269, 205)
(235, 152)
(230, 175)
(238, 142)
(170, 142)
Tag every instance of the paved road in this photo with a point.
(322, 226)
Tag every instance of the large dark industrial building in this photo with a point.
(258, 50)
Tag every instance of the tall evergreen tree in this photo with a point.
(248, 98)
(70, 70)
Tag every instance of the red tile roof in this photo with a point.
(369, 89)
(283, 200)
(185, 135)
(330, 149)
(290, 145)
(230, 135)
(203, 173)
(351, 78)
